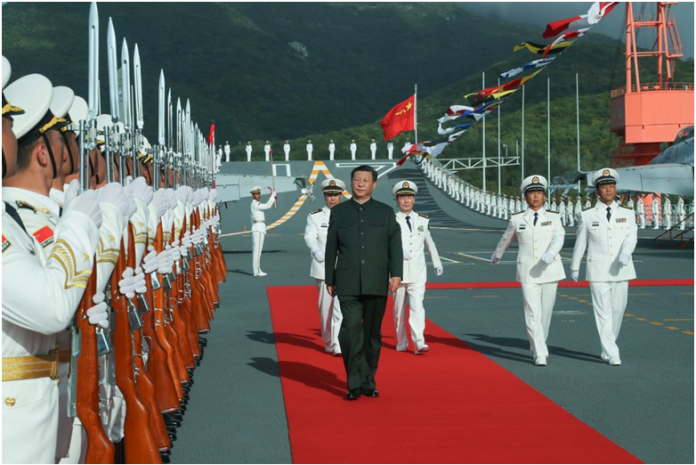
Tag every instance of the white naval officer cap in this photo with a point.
(605, 175)
(534, 182)
(333, 186)
(255, 190)
(61, 102)
(79, 111)
(404, 188)
(7, 107)
(35, 92)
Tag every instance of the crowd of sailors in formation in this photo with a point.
(652, 211)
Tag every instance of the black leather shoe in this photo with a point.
(370, 392)
(353, 394)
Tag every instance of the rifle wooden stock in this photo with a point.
(139, 444)
(172, 333)
(160, 328)
(144, 383)
(167, 397)
(185, 310)
(99, 448)
(223, 264)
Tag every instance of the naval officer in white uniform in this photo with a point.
(258, 225)
(540, 235)
(315, 238)
(609, 234)
(415, 239)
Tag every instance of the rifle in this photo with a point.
(144, 383)
(139, 443)
(99, 448)
(184, 304)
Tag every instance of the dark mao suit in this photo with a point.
(363, 249)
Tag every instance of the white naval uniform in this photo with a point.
(641, 212)
(570, 214)
(329, 307)
(605, 241)
(681, 212)
(248, 149)
(539, 281)
(286, 149)
(667, 213)
(373, 150)
(416, 240)
(258, 230)
(390, 150)
(267, 151)
(332, 150)
(30, 320)
(310, 149)
(655, 210)
(353, 150)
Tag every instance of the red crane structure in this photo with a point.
(646, 115)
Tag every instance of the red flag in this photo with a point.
(399, 119)
(211, 135)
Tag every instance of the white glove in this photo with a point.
(438, 271)
(171, 198)
(548, 258)
(70, 193)
(186, 240)
(213, 195)
(140, 190)
(318, 255)
(185, 194)
(494, 260)
(575, 274)
(140, 286)
(625, 259)
(273, 192)
(176, 252)
(165, 261)
(150, 263)
(407, 254)
(114, 194)
(87, 203)
(127, 285)
(160, 203)
(98, 315)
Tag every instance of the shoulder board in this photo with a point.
(316, 211)
(5, 244)
(552, 211)
(424, 216)
(28, 206)
(517, 213)
(588, 208)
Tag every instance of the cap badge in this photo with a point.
(405, 185)
(332, 183)
(535, 179)
(606, 173)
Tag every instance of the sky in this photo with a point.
(541, 13)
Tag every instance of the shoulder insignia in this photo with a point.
(588, 208)
(44, 236)
(517, 213)
(552, 211)
(28, 206)
(424, 216)
(313, 212)
(5, 244)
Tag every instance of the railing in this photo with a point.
(651, 87)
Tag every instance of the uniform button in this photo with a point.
(362, 261)
(10, 401)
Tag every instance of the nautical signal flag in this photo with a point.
(400, 118)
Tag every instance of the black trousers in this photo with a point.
(361, 337)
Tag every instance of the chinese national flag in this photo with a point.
(211, 134)
(399, 119)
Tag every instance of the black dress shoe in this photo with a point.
(353, 394)
(370, 392)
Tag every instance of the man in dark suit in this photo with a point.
(363, 250)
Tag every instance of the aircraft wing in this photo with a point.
(664, 178)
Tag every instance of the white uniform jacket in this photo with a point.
(605, 241)
(534, 242)
(315, 237)
(258, 217)
(416, 241)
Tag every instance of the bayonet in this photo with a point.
(112, 60)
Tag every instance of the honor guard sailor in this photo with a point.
(57, 282)
(315, 237)
(609, 235)
(249, 149)
(258, 226)
(540, 236)
(415, 240)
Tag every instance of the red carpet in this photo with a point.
(453, 405)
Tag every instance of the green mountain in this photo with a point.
(276, 71)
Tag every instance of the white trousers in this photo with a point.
(416, 318)
(287, 156)
(330, 317)
(248, 156)
(257, 238)
(642, 220)
(352, 155)
(331, 154)
(539, 300)
(609, 301)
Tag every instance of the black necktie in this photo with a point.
(608, 213)
(536, 217)
(408, 222)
